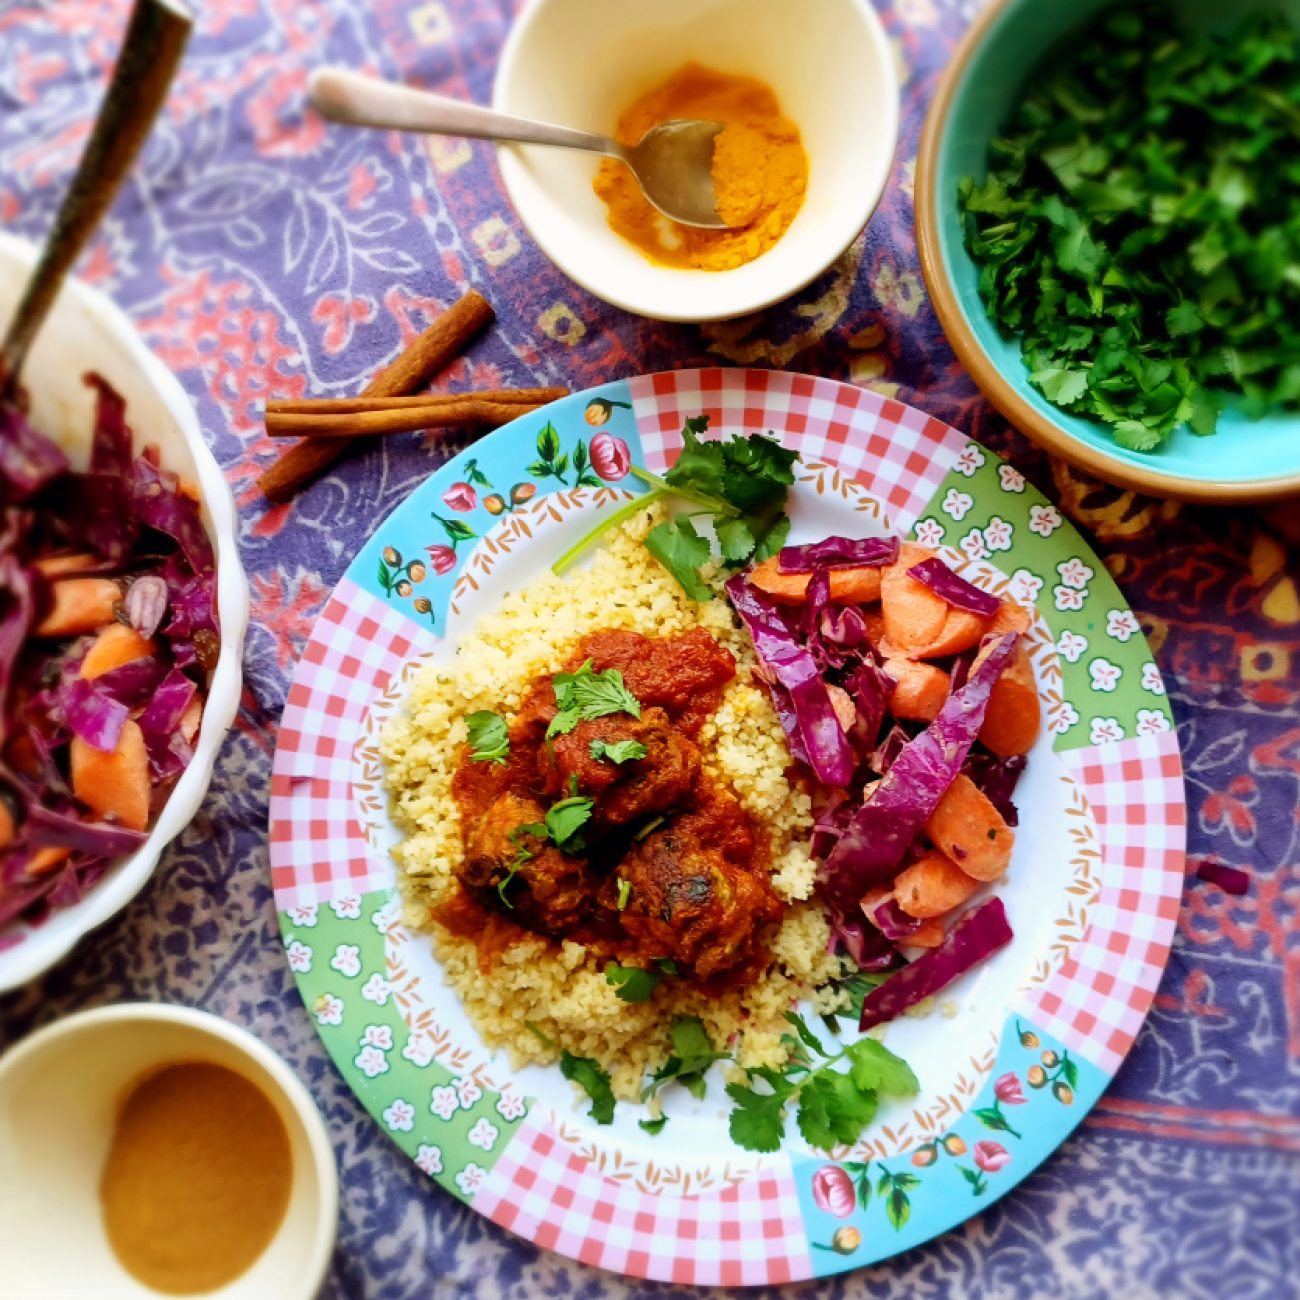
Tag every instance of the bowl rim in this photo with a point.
(42, 947)
(324, 1168)
(1004, 396)
(508, 160)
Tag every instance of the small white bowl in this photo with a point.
(582, 62)
(84, 332)
(60, 1090)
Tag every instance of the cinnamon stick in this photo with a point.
(466, 414)
(355, 405)
(444, 340)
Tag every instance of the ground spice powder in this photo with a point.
(760, 171)
(197, 1178)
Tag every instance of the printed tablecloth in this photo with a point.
(261, 252)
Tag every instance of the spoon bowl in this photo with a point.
(672, 162)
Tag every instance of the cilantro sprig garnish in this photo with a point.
(594, 1081)
(489, 737)
(740, 483)
(585, 695)
(617, 751)
(525, 855)
(833, 1105)
(692, 1055)
(636, 983)
(586, 1073)
(1139, 228)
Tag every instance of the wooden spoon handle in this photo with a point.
(151, 50)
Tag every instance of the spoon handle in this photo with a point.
(349, 97)
(151, 49)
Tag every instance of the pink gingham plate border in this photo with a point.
(756, 1228)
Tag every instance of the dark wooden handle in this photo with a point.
(151, 50)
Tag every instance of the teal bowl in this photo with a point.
(1247, 460)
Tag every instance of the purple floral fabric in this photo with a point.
(261, 252)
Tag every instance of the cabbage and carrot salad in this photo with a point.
(108, 630)
(909, 696)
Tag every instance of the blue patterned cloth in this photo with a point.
(260, 252)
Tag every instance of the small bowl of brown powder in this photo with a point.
(152, 1150)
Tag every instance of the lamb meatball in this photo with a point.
(549, 892)
(692, 905)
(624, 793)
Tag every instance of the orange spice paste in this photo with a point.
(760, 171)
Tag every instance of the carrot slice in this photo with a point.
(858, 586)
(914, 615)
(930, 935)
(8, 827)
(47, 859)
(1014, 716)
(933, 885)
(57, 566)
(920, 689)
(117, 784)
(80, 605)
(193, 716)
(1010, 618)
(116, 645)
(961, 630)
(971, 831)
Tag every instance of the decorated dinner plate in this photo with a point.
(1021, 1047)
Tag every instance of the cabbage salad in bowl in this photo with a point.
(108, 632)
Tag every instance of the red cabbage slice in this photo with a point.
(17, 898)
(50, 827)
(156, 500)
(953, 588)
(882, 757)
(160, 725)
(870, 687)
(132, 683)
(97, 718)
(843, 625)
(892, 921)
(794, 669)
(866, 946)
(1232, 880)
(92, 512)
(977, 935)
(838, 553)
(997, 778)
(28, 459)
(888, 821)
(110, 452)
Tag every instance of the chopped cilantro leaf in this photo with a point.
(692, 1055)
(618, 751)
(489, 737)
(585, 695)
(681, 550)
(593, 1081)
(631, 983)
(653, 1126)
(565, 819)
(516, 837)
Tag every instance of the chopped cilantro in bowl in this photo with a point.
(1139, 227)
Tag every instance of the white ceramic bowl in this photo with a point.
(87, 332)
(59, 1093)
(582, 62)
